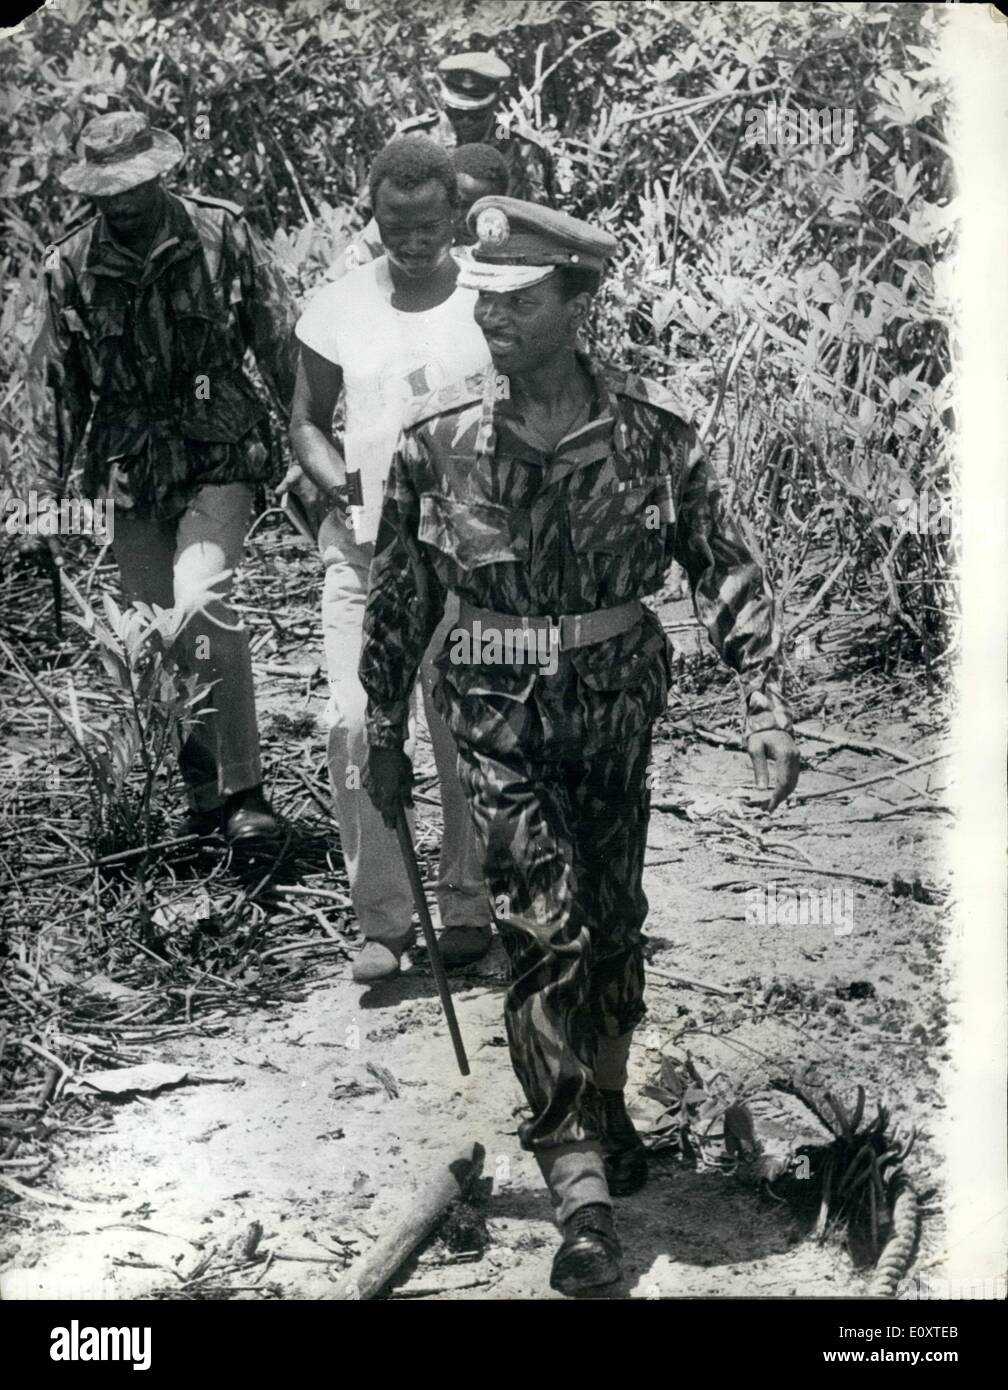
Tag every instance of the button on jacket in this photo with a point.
(150, 354)
(473, 504)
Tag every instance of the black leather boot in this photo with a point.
(249, 821)
(202, 823)
(590, 1255)
(626, 1160)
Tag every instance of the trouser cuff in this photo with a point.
(208, 795)
(459, 908)
(203, 796)
(575, 1176)
(239, 777)
(397, 939)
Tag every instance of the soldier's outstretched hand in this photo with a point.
(780, 748)
(388, 781)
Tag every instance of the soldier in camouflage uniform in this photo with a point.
(150, 307)
(471, 85)
(550, 497)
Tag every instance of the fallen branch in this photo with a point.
(299, 889)
(721, 738)
(438, 1291)
(32, 1194)
(792, 866)
(855, 744)
(818, 596)
(327, 809)
(895, 775)
(690, 983)
(441, 1184)
(120, 858)
(312, 944)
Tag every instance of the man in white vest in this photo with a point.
(383, 336)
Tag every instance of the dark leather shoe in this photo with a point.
(590, 1254)
(248, 820)
(201, 823)
(626, 1159)
(463, 945)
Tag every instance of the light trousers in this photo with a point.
(168, 562)
(378, 885)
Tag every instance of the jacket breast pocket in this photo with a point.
(193, 333)
(472, 532)
(625, 518)
(101, 341)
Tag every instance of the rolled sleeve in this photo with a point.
(731, 595)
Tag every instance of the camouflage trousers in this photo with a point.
(563, 845)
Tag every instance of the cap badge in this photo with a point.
(492, 227)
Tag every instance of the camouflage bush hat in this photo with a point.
(120, 151)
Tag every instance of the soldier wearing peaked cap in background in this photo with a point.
(472, 81)
(550, 509)
(471, 86)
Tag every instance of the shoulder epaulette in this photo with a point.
(76, 231)
(71, 248)
(204, 199)
(639, 388)
(77, 239)
(415, 123)
(454, 396)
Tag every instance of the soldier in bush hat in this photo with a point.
(150, 307)
(550, 499)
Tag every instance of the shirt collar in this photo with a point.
(175, 235)
(585, 444)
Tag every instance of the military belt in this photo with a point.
(571, 629)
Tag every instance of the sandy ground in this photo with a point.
(283, 1123)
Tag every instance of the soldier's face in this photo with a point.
(525, 328)
(416, 226)
(471, 127)
(130, 213)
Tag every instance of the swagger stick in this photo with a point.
(433, 950)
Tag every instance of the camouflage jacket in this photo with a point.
(530, 169)
(472, 506)
(150, 354)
